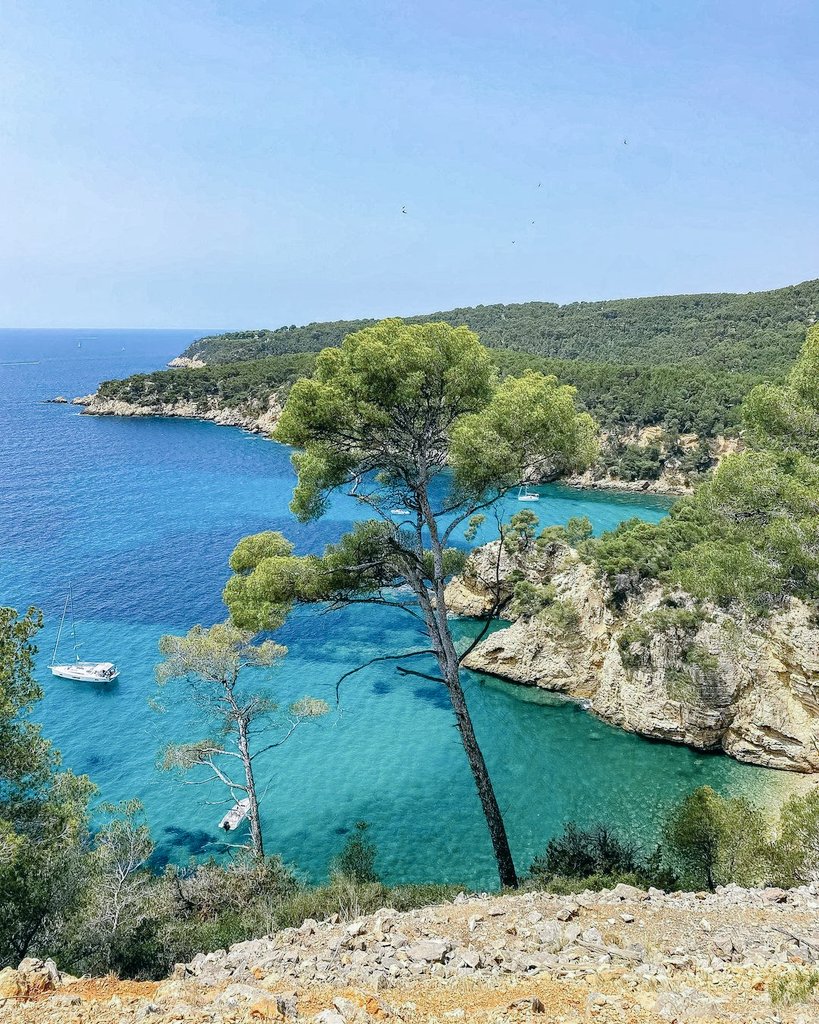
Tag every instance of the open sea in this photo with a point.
(140, 515)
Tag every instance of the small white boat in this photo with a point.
(235, 816)
(400, 512)
(528, 495)
(80, 671)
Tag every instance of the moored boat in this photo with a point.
(79, 671)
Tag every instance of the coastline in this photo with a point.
(263, 421)
(750, 691)
(256, 421)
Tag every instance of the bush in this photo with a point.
(356, 862)
(633, 461)
(795, 854)
(711, 840)
(594, 858)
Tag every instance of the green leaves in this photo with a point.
(251, 550)
(403, 401)
(787, 418)
(751, 533)
(530, 422)
(713, 840)
(214, 655)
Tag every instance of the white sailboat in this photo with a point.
(524, 495)
(81, 671)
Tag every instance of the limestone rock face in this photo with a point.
(659, 667)
(185, 363)
(261, 420)
(673, 480)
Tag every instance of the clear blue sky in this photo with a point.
(245, 163)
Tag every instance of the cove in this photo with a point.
(141, 516)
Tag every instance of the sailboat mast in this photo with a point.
(73, 622)
(59, 632)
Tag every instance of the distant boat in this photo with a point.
(528, 495)
(400, 512)
(235, 816)
(80, 671)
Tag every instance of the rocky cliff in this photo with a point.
(662, 666)
(674, 478)
(260, 418)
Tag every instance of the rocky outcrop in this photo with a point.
(619, 955)
(673, 480)
(259, 419)
(670, 482)
(185, 363)
(662, 666)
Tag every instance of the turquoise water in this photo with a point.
(142, 514)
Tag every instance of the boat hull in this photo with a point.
(86, 672)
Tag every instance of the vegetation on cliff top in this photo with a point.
(756, 331)
(235, 385)
(679, 399)
(750, 533)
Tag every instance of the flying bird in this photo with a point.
(625, 142)
(403, 209)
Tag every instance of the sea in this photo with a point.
(139, 516)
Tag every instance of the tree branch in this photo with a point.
(372, 661)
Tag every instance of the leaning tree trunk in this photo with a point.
(486, 792)
(447, 658)
(250, 785)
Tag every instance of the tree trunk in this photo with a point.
(250, 782)
(480, 773)
(447, 657)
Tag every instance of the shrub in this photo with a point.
(795, 853)
(531, 599)
(711, 840)
(356, 861)
(579, 852)
(797, 986)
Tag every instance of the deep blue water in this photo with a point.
(141, 516)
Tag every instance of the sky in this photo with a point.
(248, 163)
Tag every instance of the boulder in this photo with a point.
(429, 951)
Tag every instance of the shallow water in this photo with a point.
(141, 516)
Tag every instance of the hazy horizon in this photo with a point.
(365, 316)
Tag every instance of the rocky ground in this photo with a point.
(617, 956)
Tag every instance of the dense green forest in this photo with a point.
(757, 331)
(750, 534)
(241, 384)
(680, 399)
(692, 398)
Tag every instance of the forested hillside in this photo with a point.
(681, 399)
(757, 331)
(233, 384)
